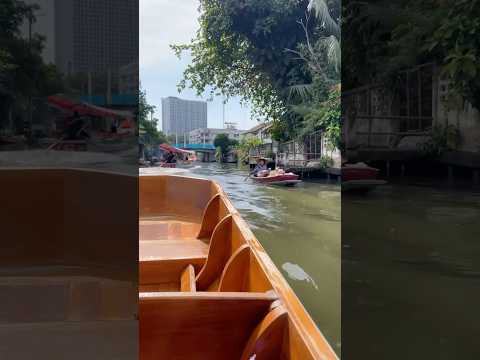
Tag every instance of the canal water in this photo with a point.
(411, 273)
(300, 229)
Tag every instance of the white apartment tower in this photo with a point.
(179, 116)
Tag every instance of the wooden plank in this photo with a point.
(187, 280)
(236, 271)
(266, 341)
(73, 340)
(197, 325)
(166, 271)
(210, 217)
(172, 249)
(218, 254)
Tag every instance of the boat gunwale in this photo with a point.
(316, 343)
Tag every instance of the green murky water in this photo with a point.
(411, 274)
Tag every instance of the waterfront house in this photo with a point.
(397, 123)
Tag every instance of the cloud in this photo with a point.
(165, 22)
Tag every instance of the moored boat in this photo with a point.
(208, 289)
(360, 177)
(286, 179)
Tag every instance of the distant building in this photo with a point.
(261, 131)
(129, 79)
(87, 35)
(180, 117)
(207, 136)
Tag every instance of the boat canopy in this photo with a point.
(83, 108)
(173, 149)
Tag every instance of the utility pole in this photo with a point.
(223, 111)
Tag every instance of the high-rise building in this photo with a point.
(96, 35)
(87, 36)
(179, 116)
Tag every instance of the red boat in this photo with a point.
(288, 179)
(168, 165)
(360, 177)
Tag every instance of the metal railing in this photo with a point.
(406, 125)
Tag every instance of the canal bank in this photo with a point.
(300, 229)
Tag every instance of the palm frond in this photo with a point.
(302, 91)
(334, 52)
(322, 13)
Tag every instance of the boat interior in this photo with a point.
(207, 288)
(69, 273)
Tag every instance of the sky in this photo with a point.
(165, 22)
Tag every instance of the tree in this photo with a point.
(148, 126)
(246, 144)
(23, 74)
(385, 37)
(241, 50)
(223, 144)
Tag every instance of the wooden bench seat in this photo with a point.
(165, 228)
(199, 325)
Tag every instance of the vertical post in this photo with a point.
(294, 153)
(419, 87)
(109, 86)
(476, 177)
(89, 85)
(450, 175)
(370, 120)
(408, 101)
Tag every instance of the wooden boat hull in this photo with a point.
(350, 173)
(282, 180)
(168, 165)
(69, 264)
(208, 289)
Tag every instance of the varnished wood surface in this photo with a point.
(166, 271)
(224, 264)
(235, 272)
(199, 325)
(267, 339)
(73, 340)
(187, 279)
(47, 218)
(218, 254)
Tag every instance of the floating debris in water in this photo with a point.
(295, 272)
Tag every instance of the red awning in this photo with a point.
(172, 149)
(87, 109)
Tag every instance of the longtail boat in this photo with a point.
(360, 177)
(207, 288)
(287, 179)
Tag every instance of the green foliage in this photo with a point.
(325, 116)
(241, 49)
(326, 161)
(223, 143)
(148, 126)
(442, 139)
(246, 144)
(387, 36)
(457, 41)
(23, 74)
